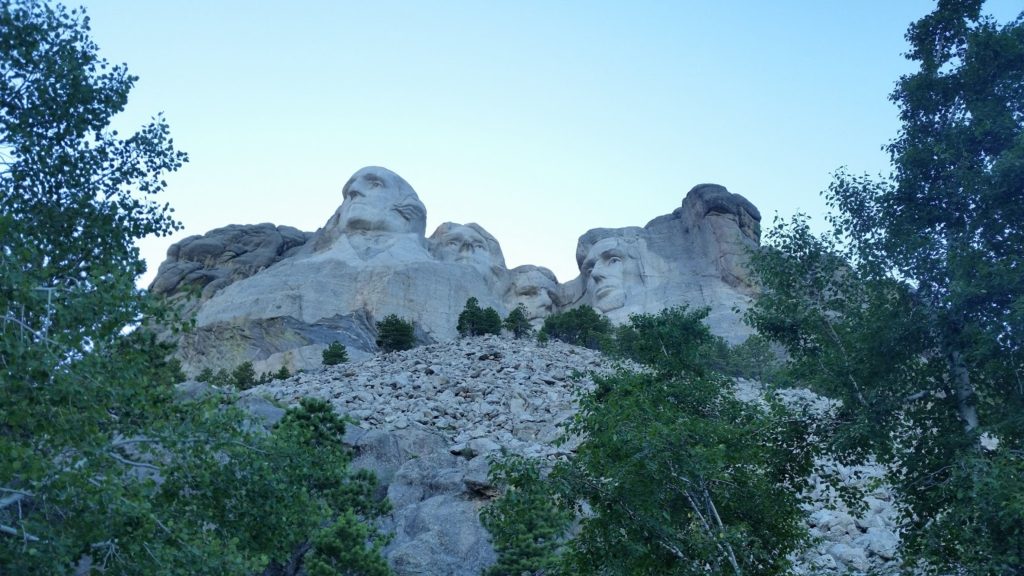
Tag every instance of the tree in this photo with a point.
(474, 321)
(244, 376)
(528, 523)
(517, 323)
(394, 333)
(334, 354)
(101, 464)
(912, 311)
(581, 326)
(678, 476)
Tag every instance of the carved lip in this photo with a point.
(605, 290)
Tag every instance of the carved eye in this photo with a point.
(614, 260)
(453, 243)
(478, 246)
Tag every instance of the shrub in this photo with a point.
(243, 376)
(581, 326)
(517, 323)
(206, 375)
(334, 354)
(394, 333)
(283, 373)
(527, 523)
(474, 321)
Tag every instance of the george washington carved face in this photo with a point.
(378, 200)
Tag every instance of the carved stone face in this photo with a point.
(468, 244)
(463, 244)
(378, 200)
(609, 272)
(533, 289)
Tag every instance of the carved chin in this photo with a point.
(609, 298)
(378, 224)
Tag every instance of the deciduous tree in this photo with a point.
(912, 312)
(102, 464)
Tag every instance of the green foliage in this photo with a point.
(205, 375)
(282, 374)
(97, 457)
(334, 354)
(673, 340)
(543, 339)
(528, 523)
(222, 378)
(679, 477)
(474, 321)
(244, 376)
(581, 326)
(912, 311)
(517, 323)
(394, 333)
(347, 547)
(754, 358)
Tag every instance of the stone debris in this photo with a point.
(428, 419)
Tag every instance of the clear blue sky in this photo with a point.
(537, 120)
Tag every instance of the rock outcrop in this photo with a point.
(276, 296)
(429, 417)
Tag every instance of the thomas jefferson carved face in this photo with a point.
(467, 244)
(378, 200)
(463, 244)
(609, 271)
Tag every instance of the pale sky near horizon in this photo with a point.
(537, 120)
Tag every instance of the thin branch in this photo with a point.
(11, 500)
(4, 529)
(127, 462)
(718, 520)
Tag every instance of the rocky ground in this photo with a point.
(428, 418)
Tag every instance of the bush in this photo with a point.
(581, 326)
(335, 354)
(282, 374)
(753, 359)
(244, 376)
(677, 475)
(394, 333)
(673, 340)
(474, 321)
(526, 523)
(517, 323)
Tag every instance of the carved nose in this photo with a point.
(466, 248)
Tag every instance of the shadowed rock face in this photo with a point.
(277, 296)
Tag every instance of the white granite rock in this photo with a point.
(429, 418)
(276, 296)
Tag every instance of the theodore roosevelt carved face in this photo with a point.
(378, 200)
(535, 288)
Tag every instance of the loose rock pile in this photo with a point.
(428, 418)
